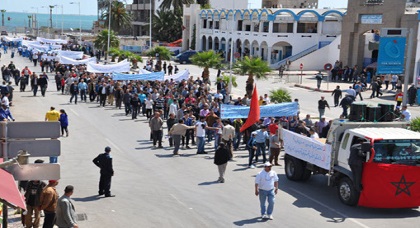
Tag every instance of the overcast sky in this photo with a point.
(89, 7)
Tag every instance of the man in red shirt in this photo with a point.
(273, 127)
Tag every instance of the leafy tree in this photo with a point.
(164, 53)
(415, 124)
(280, 96)
(226, 79)
(167, 25)
(192, 44)
(206, 60)
(120, 18)
(101, 40)
(253, 67)
(176, 4)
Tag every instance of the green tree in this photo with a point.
(101, 40)
(120, 18)
(192, 44)
(167, 25)
(164, 53)
(226, 79)
(253, 67)
(415, 124)
(280, 96)
(206, 60)
(176, 4)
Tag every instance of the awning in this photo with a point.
(9, 193)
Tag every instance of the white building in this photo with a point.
(276, 35)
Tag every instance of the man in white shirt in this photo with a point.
(5, 100)
(266, 186)
(228, 134)
(405, 114)
(200, 133)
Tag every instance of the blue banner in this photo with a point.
(159, 76)
(391, 55)
(274, 110)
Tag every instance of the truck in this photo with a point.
(390, 172)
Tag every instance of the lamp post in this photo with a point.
(109, 28)
(231, 51)
(2, 16)
(51, 8)
(29, 21)
(36, 20)
(62, 27)
(150, 24)
(80, 20)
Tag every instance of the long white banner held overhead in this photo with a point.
(123, 66)
(8, 39)
(51, 41)
(307, 149)
(71, 54)
(182, 75)
(65, 60)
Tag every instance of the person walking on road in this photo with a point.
(156, 124)
(49, 198)
(266, 186)
(337, 95)
(32, 199)
(260, 138)
(64, 123)
(319, 78)
(221, 158)
(52, 115)
(104, 162)
(74, 92)
(66, 214)
(322, 104)
(43, 83)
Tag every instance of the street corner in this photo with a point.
(313, 89)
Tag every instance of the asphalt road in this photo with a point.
(154, 189)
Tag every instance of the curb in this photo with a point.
(314, 89)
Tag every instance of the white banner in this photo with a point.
(8, 39)
(123, 66)
(65, 60)
(51, 41)
(182, 75)
(307, 149)
(48, 57)
(71, 54)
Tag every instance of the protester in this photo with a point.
(266, 186)
(33, 193)
(66, 214)
(64, 122)
(104, 162)
(221, 158)
(49, 198)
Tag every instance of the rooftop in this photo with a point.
(386, 133)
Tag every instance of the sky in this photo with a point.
(89, 7)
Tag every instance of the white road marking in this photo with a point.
(179, 201)
(331, 209)
(112, 144)
(74, 112)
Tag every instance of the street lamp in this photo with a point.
(62, 27)
(51, 8)
(150, 26)
(29, 21)
(36, 19)
(80, 21)
(109, 28)
(2, 16)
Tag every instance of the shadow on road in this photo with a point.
(249, 221)
(87, 198)
(208, 183)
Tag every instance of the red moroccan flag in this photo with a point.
(390, 186)
(254, 111)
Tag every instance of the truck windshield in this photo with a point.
(405, 151)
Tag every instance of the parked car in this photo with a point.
(184, 57)
(4, 33)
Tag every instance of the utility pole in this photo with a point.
(2, 16)
(29, 21)
(51, 8)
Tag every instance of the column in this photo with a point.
(270, 27)
(319, 28)
(295, 24)
(269, 60)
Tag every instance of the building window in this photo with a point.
(216, 25)
(282, 27)
(240, 22)
(265, 26)
(247, 28)
(307, 27)
(204, 23)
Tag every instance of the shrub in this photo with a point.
(280, 96)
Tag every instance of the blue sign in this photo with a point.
(274, 110)
(391, 55)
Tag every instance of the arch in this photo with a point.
(216, 43)
(216, 13)
(210, 42)
(313, 12)
(203, 43)
(332, 12)
(229, 12)
(281, 50)
(285, 11)
(246, 12)
(203, 12)
(224, 13)
(210, 13)
(256, 13)
(262, 12)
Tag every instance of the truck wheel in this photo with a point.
(306, 174)
(294, 168)
(184, 62)
(346, 192)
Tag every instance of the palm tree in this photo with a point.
(280, 96)
(163, 52)
(176, 4)
(120, 18)
(253, 67)
(167, 25)
(207, 59)
(101, 40)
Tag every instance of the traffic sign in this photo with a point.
(38, 129)
(38, 171)
(301, 66)
(37, 148)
